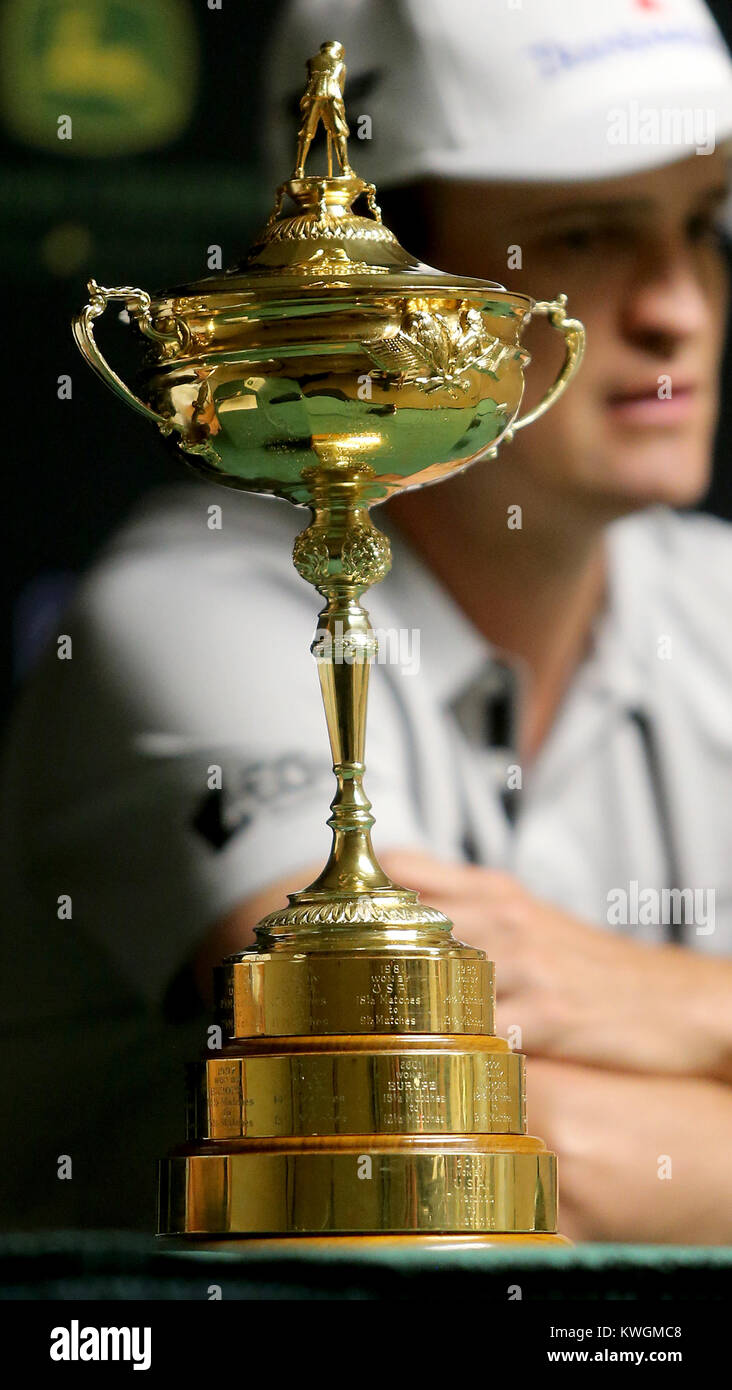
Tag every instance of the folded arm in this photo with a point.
(580, 993)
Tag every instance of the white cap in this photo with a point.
(509, 89)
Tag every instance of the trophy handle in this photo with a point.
(137, 302)
(574, 337)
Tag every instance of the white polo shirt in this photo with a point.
(178, 762)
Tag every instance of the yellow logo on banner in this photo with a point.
(97, 77)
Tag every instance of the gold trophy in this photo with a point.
(359, 1090)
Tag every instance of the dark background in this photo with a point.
(74, 467)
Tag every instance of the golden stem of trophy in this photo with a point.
(357, 1090)
(342, 553)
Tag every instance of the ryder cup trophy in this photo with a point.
(360, 1091)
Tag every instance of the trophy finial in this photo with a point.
(322, 100)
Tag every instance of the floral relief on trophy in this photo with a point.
(363, 557)
(437, 353)
(311, 557)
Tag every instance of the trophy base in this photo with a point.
(361, 1100)
(360, 1185)
(284, 1247)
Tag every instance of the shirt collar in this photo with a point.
(455, 657)
(453, 653)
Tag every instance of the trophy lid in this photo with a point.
(320, 240)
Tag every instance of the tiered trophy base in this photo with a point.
(362, 1184)
(322, 1138)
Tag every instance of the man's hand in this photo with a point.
(581, 992)
(641, 1158)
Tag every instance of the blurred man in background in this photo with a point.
(556, 777)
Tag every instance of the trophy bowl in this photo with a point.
(330, 331)
(358, 1089)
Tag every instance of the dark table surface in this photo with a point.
(123, 1265)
